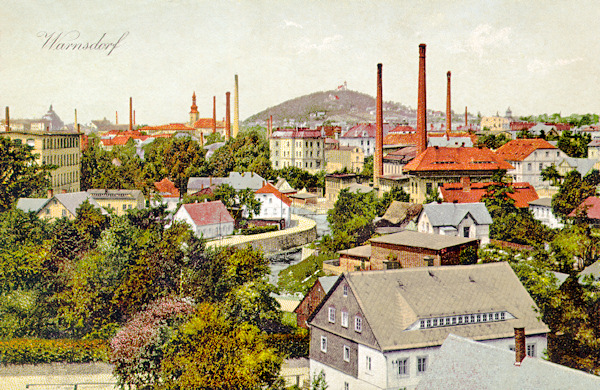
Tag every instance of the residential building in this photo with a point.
(66, 205)
(284, 187)
(384, 329)
(581, 165)
(313, 297)
(462, 363)
(59, 148)
(470, 220)
(274, 205)
(542, 211)
(301, 148)
(588, 210)
(437, 165)
(207, 220)
(167, 193)
(362, 135)
(495, 123)
(336, 182)
(344, 158)
(118, 200)
(467, 192)
(393, 162)
(528, 158)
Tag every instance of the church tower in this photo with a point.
(194, 114)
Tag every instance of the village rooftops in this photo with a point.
(208, 213)
(365, 130)
(270, 189)
(523, 194)
(519, 149)
(451, 214)
(169, 127)
(456, 159)
(409, 238)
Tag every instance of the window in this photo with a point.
(403, 367)
(323, 344)
(368, 363)
(124, 207)
(64, 213)
(466, 231)
(346, 353)
(421, 364)
(332, 314)
(358, 324)
(344, 319)
(531, 350)
(541, 166)
(345, 288)
(346, 386)
(529, 166)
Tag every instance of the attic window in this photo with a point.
(461, 320)
(482, 162)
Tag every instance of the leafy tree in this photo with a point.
(234, 200)
(551, 174)
(367, 171)
(20, 175)
(209, 352)
(89, 223)
(433, 196)
(248, 152)
(183, 158)
(299, 178)
(395, 194)
(213, 138)
(351, 219)
(572, 191)
(574, 145)
(492, 141)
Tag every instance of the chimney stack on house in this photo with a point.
(520, 351)
(236, 108)
(422, 104)
(7, 116)
(466, 183)
(227, 115)
(448, 109)
(130, 113)
(214, 125)
(378, 158)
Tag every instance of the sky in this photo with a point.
(536, 56)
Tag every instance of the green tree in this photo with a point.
(20, 174)
(551, 174)
(433, 196)
(492, 141)
(234, 200)
(574, 145)
(183, 158)
(395, 194)
(572, 191)
(351, 219)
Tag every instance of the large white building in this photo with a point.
(383, 329)
(274, 205)
(301, 148)
(362, 135)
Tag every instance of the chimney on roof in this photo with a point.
(227, 116)
(466, 118)
(214, 125)
(236, 108)
(378, 158)
(50, 193)
(519, 345)
(75, 125)
(448, 109)
(7, 119)
(466, 183)
(422, 104)
(130, 113)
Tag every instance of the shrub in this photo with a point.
(259, 229)
(290, 345)
(34, 351)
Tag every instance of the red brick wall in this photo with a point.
(310, 302)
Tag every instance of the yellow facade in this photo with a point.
(305, 153)
(118, 201)
(351, 158)
(57, 148)
(495, 123)
(54, 209)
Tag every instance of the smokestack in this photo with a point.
(448, 109)
(227, 115)
(236, 109)
(134, 117)
(130, 113)
(116, 117)
(422, 104)
(75, 125)
(7, 119)
(378, 158)
(270, 125)
(466, 118)
(214, 126)
(519, 345)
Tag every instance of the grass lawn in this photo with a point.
(300, 277)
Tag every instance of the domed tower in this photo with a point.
(194, 114)
(55, 122)
(508, 113)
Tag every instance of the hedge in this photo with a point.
(290, 345)
(259, 229)
(34, 351)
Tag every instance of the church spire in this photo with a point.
(194, 114)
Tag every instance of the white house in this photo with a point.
(273, 205)
(471, 220)
(383, 329)
(362, 135)
(208, 219)
(542, 211)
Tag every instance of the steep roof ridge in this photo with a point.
(361, 305)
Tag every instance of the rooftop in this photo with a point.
(519, 149)
(208, 213)
(456, 159)
(457, 193)
(422, 240)
(451, 214)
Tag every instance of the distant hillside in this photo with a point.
(336, 106)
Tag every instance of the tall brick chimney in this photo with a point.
(227, 115)
(134, 117)
(422, 104)
(130, 113)
(378, 158)
(214, 125)
(520, 351)
(270, 125)
(448, 109)
(75, 125)
(116, 117)
(466, 117)
(236, 108)
(7, 116)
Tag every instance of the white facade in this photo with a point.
(273, 208)
(530, 168)
(403, 369)
(204, 231)
(542, 211)
(467, 228)
(367, 144)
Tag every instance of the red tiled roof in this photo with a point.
(456, 159)
(455, 193)
(169, 127)
(591, 206)
(400, 139)
(368, 129)
(519, 149)
(120, 139)
(207, 123)
(401, 128)
(208, 213)
(166, 186)
(270, 189)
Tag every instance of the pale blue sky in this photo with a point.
(534, 56)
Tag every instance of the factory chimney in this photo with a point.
(236, 108)
(214, 125)
(270, 125)
(448, 109)
(378, 158)
(130, 113)
(134, 117)
(75, 125)
(466, 118)
(116, 117)
(227, 116)
(7, 119)
(422, 104)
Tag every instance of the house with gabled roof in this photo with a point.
(274, 205)
(207, 219)
(466, 364)
(589, 210)
(456, 219)
(66, 205)
(313, 297)
(467, 192)
(383, 329)
(528, 158)
(438, 165)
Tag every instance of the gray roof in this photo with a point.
(393, 300)
(546, 202)
(73, 200)
(359, 251)
(452, 142)
(582, 165)
(593, 270)
(399, 212)
(239, 181)
(114, 194)
(359, 188)
(327, 282)
(422, 240)
(466, 364)
(31, 204)
(451, 214)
